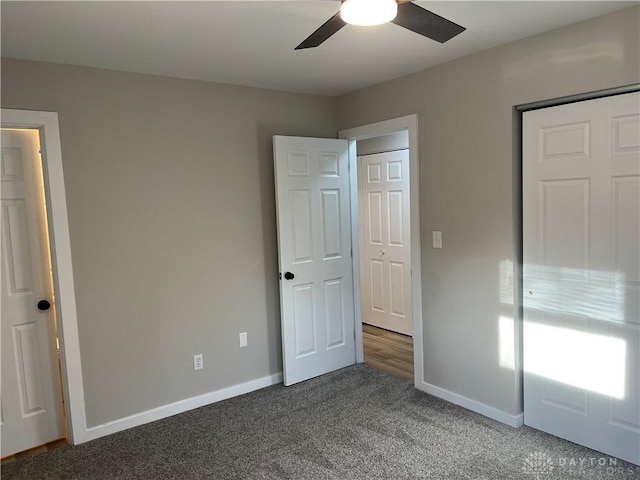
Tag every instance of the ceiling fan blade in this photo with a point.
(327, 29)
(424, 22)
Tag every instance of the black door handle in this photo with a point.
(43, 305)
(289, 276)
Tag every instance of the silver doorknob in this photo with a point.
(530, 292)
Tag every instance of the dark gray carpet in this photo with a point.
(357, 423)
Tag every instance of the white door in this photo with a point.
(314, 246)
(31, 392)
(385, 241)
(581, 206)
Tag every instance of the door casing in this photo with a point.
(47, 124)
(386, 127)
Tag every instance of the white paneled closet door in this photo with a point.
(581, 206)
(386, 241)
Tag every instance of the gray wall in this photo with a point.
(172, 220)
(467, 175)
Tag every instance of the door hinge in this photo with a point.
(354, 334)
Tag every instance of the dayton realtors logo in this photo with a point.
(538, 464)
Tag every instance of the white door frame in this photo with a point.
(410, 124)
(47, 124)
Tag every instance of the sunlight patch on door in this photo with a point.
(584, 360)
(588, 293)
(595, 294)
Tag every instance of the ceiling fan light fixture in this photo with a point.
(368, 12)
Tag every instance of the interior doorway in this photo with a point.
(385, 217)
(385, 253)
(32, 403)
(47, 126)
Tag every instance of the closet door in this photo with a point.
(581, 237)
(386, 245)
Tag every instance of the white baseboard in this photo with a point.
(181, 406)
(473, 405)
(177, 407)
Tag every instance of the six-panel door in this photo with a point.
(31, 392)
(385, 241)
(581, 203)
(314, 243)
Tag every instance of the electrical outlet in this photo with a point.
(244, 341)
(198, 364)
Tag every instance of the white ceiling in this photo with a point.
(252, 42)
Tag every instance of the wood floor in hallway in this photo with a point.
(388, 351)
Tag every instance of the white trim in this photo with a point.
(47, 124)
(181, 406)
(355, 251)
(473, 405)
(409, 123)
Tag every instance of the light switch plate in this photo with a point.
(437, 238)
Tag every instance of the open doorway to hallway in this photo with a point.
(385, 253)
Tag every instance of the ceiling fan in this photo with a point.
(375, 12)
